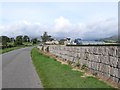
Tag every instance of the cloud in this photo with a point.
(62, 24)
(101, 29)
(62, 27)
(92, 30)
(22, 28)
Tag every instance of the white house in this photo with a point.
(53, 42)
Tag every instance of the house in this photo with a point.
(53, 42)
(67, 41)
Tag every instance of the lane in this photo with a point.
(18, 70)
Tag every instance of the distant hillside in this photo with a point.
(112, 38)
(115, 37)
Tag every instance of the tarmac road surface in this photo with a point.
(18, 70)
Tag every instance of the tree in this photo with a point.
(4, 40)
(78, 41)
(34, 41)
(46, 37)
(12, 39)
(0, 39)
(61, 42)
(19, 40)
(26, 38)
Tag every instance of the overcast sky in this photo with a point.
(60, 19)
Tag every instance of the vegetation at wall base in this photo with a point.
(53, 74)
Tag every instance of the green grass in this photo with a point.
(25, 44)
(9, 49)
(55, 75)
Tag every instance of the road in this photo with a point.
(18, 70)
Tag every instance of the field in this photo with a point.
(53, 74)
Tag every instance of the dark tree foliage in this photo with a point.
(0, 39)
(19, 40)
(61, 42)
(46, 37)
(68, 38)
(34, 41)
(26, 38)
(12, 39)
(78, 41)
(4, 40)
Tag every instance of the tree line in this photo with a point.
(17, 41)
(20, 40)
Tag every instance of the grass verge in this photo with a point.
(9, 49)
(53, 74)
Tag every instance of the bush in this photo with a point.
(84, 67)
(42, 48)
(10, 46)
(47, 49)
(69, 62)
(95, 73)
(78, 63)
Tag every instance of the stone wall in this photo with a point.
(100, 60)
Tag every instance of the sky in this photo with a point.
(60, 19)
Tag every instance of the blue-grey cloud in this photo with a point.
(62, 27)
